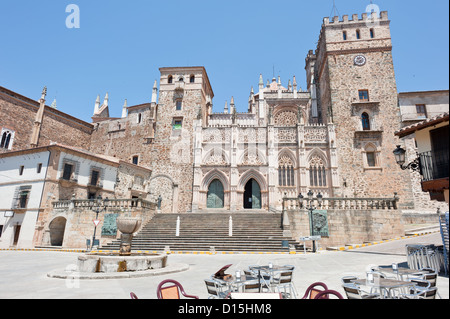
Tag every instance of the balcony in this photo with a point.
(434, 169)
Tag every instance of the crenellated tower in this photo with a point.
(353, 71)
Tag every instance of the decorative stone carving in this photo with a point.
(286, 135)
(286, 118)
(316, 134)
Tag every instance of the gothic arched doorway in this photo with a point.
(57, 228)
(215, 197)
(252, 195)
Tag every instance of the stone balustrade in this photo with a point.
(108, 204)
(343, 203)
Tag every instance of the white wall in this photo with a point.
(10, 181)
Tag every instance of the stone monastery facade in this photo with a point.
(335, 138)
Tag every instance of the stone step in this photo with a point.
(199, 231)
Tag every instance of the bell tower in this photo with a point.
(185, 100)
(353, 71)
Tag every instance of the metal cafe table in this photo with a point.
(402, 273)
(384, 284)
(235, 283)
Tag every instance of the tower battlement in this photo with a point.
(356, 19)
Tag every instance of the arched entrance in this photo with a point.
(57, 228)
(215, 197)
(252, 195)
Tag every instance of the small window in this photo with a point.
(192, 79)
(179, 105)
(23, 198)
(365, 121)
(421, 110)
(139, 118)
(363, 95)
(344, 35)
(358, 34)
(21, 168)
(94, 177)
(135, 160)
(177, 124)
(67, 173)
(372, 33)
(371, 162)
(181, 79)
(170, 79)
(39, 168)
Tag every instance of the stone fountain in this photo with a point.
(125, 264)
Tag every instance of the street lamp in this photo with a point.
(98, 209)
(400, 158)
(311, 208)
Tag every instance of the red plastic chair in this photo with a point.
(325, 294)
(172, 291)
(133, 295)
(312, 292)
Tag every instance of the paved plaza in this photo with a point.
(23, 274)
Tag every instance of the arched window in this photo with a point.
(6, 140)
(358, 34)
(317, 172)
(181, 79)
(170, 79)
(286, 176)
(344, 35)
(372, 33)
(365, 119)
(192, 79)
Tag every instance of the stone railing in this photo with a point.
(343, 203)
(108, 204)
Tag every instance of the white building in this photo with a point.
(22, 182)
(30, 180)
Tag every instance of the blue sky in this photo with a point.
(121, 45)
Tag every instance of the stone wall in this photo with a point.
(78, 219)
(351, 226)
(18, 114)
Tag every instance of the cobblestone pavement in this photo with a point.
(23, 274)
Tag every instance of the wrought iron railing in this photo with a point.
(434, 165)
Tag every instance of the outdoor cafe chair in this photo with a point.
(355, 292)
(348, 279)
(326, 294)
(216, 289)
(172, 291)
(283, 282)
(251, 288)
(312, 291)
(429, 293)
(133, 295)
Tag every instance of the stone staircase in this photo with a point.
(252, 232)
